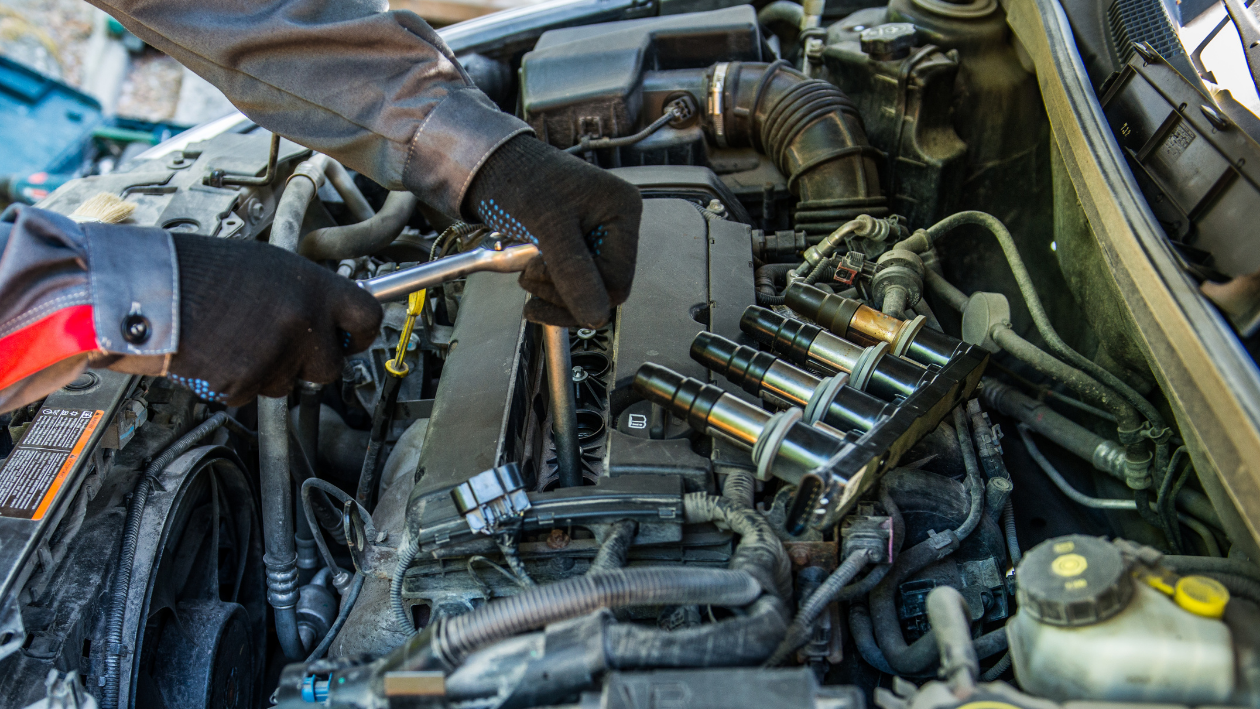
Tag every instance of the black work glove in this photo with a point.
(583, 219)
(254, 318)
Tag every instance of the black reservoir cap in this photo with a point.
(1074, 581)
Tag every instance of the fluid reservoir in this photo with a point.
(1088, 630)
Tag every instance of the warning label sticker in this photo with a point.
(37, 468)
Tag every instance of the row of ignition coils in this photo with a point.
(887, 383)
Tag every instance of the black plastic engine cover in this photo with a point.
(694, 274)
(587, 80)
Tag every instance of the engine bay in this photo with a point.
(867, 432)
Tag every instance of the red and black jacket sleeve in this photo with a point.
(70, 292)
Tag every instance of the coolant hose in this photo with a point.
(951, 624)
(364, 238)
(809, 129)
(117, 608)
(918, 657)
(446, 642)
(864, 638)
(733, 642)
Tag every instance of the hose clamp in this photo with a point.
(865, 365)
(717, 90)
(905, 336)
(767, 446)
(823, 395)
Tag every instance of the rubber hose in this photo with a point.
(1003, 236)
(906, 659)
(783, 19)
(1238, 586)
(276, 493)
(1105, 455)
(612, 553)
(453, 638)
(347, 604)
(975, 483)
(994, 672)
(863, 587)
(364, 238)
(1207, 564)
(406, 555)
(813, 134)
(951, 624)
(767, 300)
(1012, 539)
(759, 552)
(117, 607)
(864, 638)
(733, 642)
(802, 627)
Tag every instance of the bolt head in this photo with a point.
(799, 556)
(558, 539)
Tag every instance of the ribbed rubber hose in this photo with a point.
(813, 134)
(455, 637)
(759, 551)
(1012, 539)
(733, 642)
(739, 487)
(406, 555)
(612, 553)
(993, 673)
(117, 607)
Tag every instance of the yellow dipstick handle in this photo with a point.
(415, 306)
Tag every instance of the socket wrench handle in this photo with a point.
(397, 285)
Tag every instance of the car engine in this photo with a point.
(866, 431)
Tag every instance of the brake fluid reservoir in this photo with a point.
(1087, 630)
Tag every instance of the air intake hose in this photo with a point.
(809, 129)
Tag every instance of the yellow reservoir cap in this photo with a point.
(1201, 596)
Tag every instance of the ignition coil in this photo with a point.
(870, 369)
(851, 320)
(829, 400)
(782, 445)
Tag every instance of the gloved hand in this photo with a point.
(584, 220)
(253, 319)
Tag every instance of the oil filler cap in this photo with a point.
(1073, 581)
